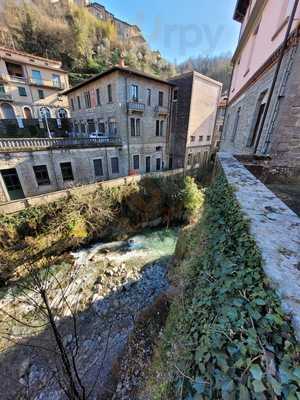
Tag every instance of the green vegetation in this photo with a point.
(226, 336)
(85, 44)
(107, 213)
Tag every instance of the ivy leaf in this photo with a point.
(258, 386)
(199, 385)
(227, 390)
(296, 372)
(244, 393)
(275, 385)
(256, 372)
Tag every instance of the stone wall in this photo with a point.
(276, 230)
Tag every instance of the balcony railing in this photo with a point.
(160, 110)
(47, 83)
(133, 106)
(47, 143)
(5, 96)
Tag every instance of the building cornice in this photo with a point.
(251, 24)
(293, 40)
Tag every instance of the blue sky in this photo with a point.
(181, 28)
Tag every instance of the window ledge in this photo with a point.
(278, 31)
(247, 72)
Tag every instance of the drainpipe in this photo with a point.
(284, 45)
(127, 125)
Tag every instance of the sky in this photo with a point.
(180, 29)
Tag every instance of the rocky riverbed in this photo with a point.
(105, 290)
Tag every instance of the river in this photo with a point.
(106, 287)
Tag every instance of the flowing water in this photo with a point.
(106, 287)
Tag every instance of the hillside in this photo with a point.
(85, 44)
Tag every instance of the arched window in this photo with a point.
(7, 111)
(45, 112)
(62, 113)
(27, 113)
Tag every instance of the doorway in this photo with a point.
(12, 183)
(27, 113)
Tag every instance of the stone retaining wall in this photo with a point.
(19, 205)
(276, 230)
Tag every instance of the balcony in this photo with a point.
(161, 110)
(56, 143)
(135, 107)
(47, 83)
(5, 97)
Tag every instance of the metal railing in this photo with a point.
(135, 106)
(161, 110)
(48, 83)
(30, 143)
(5, 96)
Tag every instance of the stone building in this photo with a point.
(260, 121)
(193, 115)
(36, 169)
(128, 104)
(31, 86)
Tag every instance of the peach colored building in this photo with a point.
(31, 85)
(260, 120)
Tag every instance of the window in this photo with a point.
(189, 159)
(158, 164)
(148, 163)
(109, 93)
(208, 138)
(22, 91)
(82, 127)
(37, 76)
(41, 94)
(200, 138)
(115, 165)
(135, 127)
(236, 124)
(66, 171)
(98, 97)
(98, 167)
(41, 175)
(101, 126)
(175, 95)
(136, 162)
(72, 105)
(56, 80)
(160, 99)
(91, 126)
(2, 88)
(112, 127)
(78, 102)
(161, 132)
(157, 128)
(14, 69)
(87, 99)
(132, 126)
(193, 138)
(149, 95)
(134, 93)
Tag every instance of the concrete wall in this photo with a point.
(276, 230)
(19, 205)
(193, 118)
